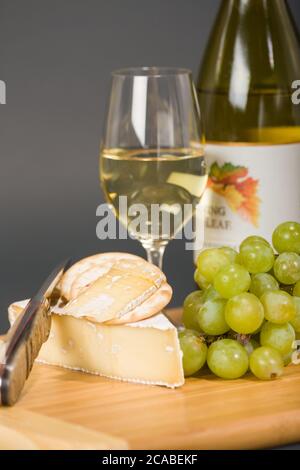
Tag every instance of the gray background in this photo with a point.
(56, 57)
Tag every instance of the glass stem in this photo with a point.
(155, 253)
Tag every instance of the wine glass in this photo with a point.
(152, 167)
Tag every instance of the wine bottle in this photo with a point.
(246, 87)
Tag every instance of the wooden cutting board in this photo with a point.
(207, 413)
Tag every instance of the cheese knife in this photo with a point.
(21, 345)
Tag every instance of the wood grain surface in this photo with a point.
(206, 413)
(22, 429)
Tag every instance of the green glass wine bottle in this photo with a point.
(249, 94)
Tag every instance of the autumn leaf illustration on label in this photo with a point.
(234, 184)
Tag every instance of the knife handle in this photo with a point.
(17, 366)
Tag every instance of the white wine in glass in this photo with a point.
(152, 155)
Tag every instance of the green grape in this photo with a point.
(286, 237)
(271, 272)
(200, 280)
(287, 359)
(210, 261)
(279, 306)
(232, 280)
(287, 268)
(211, 317)
(227, 359)
(251, 345)
(231, 254)
(191, 306)
(261, 283)
(295, 322)
(210, 294)
(194, 351)
(244, 313)
(253, 239)
(266, 363)
(296, 289)
(259, 329)
(279, 337)
(257, 257)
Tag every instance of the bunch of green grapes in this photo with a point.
(246, 314)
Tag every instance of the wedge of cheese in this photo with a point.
(145, 352)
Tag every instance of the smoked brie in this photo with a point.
(114, 288)
(89, 269)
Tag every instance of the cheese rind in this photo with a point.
(146, 352)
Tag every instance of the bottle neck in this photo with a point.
(257, 41)
(257, 6)
(249, 66)
(251, 12)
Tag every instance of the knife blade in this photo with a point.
(25, 338)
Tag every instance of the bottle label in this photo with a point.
(251, 189)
